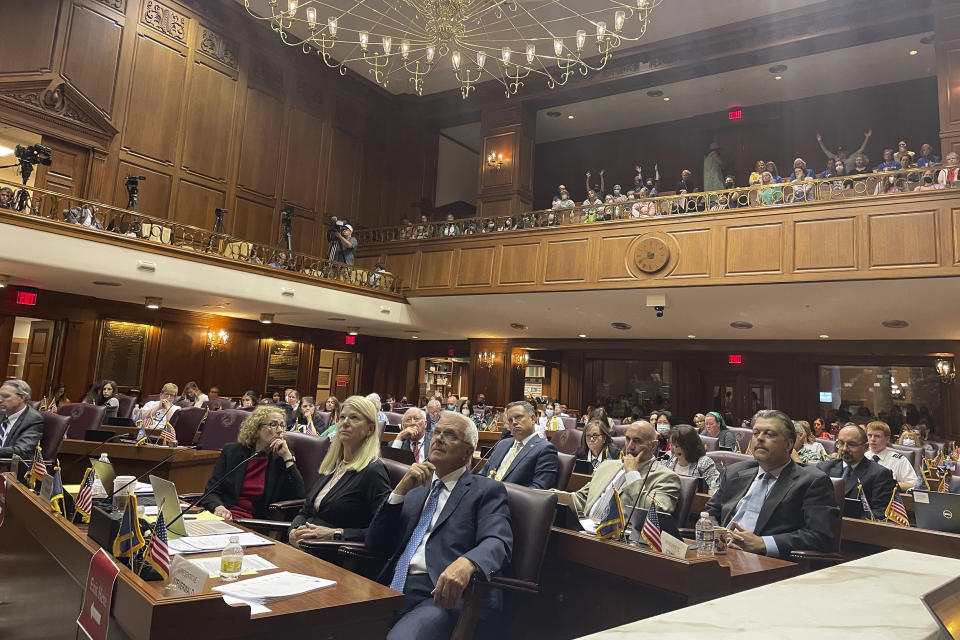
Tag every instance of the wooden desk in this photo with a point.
(863, 537)
(52, 557)
(592, 584)
(189, 469)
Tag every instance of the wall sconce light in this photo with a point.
(495, 161)
(217, 340)
(486, 359)
(352, 331)
(153, 303)
(266, 318)
(4, 281)
(521, 360)
(946, 370)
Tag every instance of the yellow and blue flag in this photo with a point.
(56, 493)
(612, 523)
(867, 511)
(129, 538)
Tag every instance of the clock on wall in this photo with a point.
(652, 255)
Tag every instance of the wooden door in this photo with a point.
(738, 396)
(37, 363)
(67, 172)
(344, 379)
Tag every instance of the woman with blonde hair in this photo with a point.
(247, 491)
(806, 447)
(353, 481)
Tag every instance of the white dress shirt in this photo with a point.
(418, 564)
(421, 455)
(160, 417)
(620, 480)
(11, 420)
(772, 549)
(899, 464)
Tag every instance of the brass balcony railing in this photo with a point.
(774, 195)
(64, 213)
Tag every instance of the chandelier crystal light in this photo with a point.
(507, 41)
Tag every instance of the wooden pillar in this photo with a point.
(510, 131)
(947, 30)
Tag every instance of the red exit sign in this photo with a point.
(735, 358)
(735, 114)
(350, 340)
(28, 298)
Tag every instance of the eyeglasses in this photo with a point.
(450, 437)
(275, 425)
(594, 436)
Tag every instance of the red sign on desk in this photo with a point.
(98, 596)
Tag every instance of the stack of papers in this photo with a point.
(260, 591)
(206, 544)
(143, 487)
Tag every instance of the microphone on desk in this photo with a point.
(147, 472)
(93, 451)
(258, 454)
(623, 532)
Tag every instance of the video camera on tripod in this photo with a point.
(132, 183)
(336, 228)
(28, 158)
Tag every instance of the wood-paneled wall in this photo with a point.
(897, 236)
(214, 110)
(777, 131)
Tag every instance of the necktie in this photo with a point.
(876, 458)
(416, 451)
(748, 511)
(426, 517)
(4, 424)
(848, 480)
(505, 466)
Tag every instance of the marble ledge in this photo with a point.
(873, 598)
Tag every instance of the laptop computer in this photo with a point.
(392, 428)
(943, 603)
(937, 511)
(583, 467)
(168, 502)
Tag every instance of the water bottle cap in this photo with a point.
(234, 539)
(704, 514)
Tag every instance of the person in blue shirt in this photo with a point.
(774, 172)
(926, 156)
(888, 164)
(800, 162)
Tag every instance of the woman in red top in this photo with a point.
(247, 491)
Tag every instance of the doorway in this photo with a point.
(738, 396)
(337, 375)
(32, 354)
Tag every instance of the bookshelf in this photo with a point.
(18, 356)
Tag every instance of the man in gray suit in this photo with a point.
(414, 437)
(772, 504)
(21, 425)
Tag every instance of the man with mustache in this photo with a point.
(771, 504)
(853, 466)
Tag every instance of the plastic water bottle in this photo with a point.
(231, 560)
(97, 490)
(704, 536)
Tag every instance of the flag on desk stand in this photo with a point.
(56, 493)
(612, 523)
(129, 538)
(895, 511)
(37, 470)
(943, 485)
(168, 435)
(142, 434)
(84, 503)
(158, 553)
(651, 528)
(867, 511)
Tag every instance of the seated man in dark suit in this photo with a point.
(415, 437)
(772, 504)
(439, 527)
(525, 458)
(21, 425)
(876, 480)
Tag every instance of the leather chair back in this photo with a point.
(743, 437)
(710, 444)
(616, 421)
(829, 445)
(221, 427)
(54, 431)
(620, 442)
(724, 459)
(688, 489)
(566, 441)
(183, 404)
(913, 454)
(393, 417)
(186, 423)
(325, 418)
(620, 430)
(82, 417)
(150, 398)
(569, 422)
(125, 410)
(309, 452)
(381, 426)
(219, 404)
(396, 470)
(839, 492)
(531, 517)
(565, 465)
(35, 404)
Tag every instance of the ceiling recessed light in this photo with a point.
(4, 281)
(570, 117)
(5, 151)
(824, 336)
(266, 318)
(655, 93)
(691, 336)
(518, 326)
(622, 326)
(778, 77)
(415, 337)
(741, 324)
(777, 69)
(153, 303)
(554, 114)
(666, 98)
(352, 331)
(913, 52)
(581, 335)
(895, 324)
(106, 283)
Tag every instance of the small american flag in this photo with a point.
(895, 511)
(38, 469)
(168, 434)
(158, 553)
(651, 529)
(84, 502)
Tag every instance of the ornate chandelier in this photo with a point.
(502, 40)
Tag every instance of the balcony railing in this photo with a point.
(67, 214)
(672, 207)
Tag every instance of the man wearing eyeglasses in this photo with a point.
(525, 458)
(452, 524)
(157, 413)
(859, 472)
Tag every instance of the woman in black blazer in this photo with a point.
(353, 481)
(252, 487)
(596, 445)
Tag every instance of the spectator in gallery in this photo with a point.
(926, 156)
(889, 162)
(841, 153)
(344, 246)
(565, 202)
(450, 227)
(757, 172)
(590, 214)
(774, 172)
(713, 169)
(860, 162)
(6, 198)
(686, 182)
(561, 189)
(598, 189)
(649, 188)
(947, 177)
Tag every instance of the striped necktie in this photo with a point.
(4, 425)
(505, 466)
(419, 533)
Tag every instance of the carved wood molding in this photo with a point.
(119, 5)
(60, 104)
(213, 45)
(165, 20)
